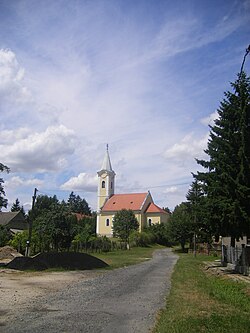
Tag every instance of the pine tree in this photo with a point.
(16, 207)
(227, 180)
(78, 205)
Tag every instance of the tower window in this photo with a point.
(111, 185)
(107, 223)
(103, 184)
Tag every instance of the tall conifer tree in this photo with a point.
(227, 180)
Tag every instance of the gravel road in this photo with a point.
(125, 300)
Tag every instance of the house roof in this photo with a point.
(6, 217)
(132, 201)
(153, 208)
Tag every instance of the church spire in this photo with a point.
(106, 165)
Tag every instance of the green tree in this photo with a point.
(197, 203)
(78, 205)
(5, 235)
(3, 200)
(181, 228)
(16, 207)
(55, 228)
(227, 179)
(124, 223)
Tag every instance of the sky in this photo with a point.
(143, 76)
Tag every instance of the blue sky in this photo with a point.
(144, 76)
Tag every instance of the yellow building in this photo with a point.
(108, 203)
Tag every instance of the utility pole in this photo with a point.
(27, 250)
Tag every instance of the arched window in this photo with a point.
(103, 184)
(149, 222)
(107, 223)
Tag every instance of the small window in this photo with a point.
(103, 184)
(107, 223)
(149, 222)
(111, 185)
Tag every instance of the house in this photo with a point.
(15, 221)
(109, 203)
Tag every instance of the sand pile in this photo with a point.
(8, 252)
(65, 260)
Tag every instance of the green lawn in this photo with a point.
(202, 302)
(121, 258)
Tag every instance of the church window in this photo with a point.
(103, 184)
(107, 223)
(149, 222)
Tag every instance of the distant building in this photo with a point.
(15, 221)
(109, 203)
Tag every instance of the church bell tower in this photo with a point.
(106, 181)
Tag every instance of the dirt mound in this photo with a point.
(66, 260)
(8, 252)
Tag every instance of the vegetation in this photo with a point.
(201, 302)
(124, 223)
(3, 200)
(181, 226)
(226, 183)
(77, 204)
(5, 235)
(16, 207)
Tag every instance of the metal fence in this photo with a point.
(238, 256)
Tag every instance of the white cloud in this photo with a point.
(83, 182)
(171, 189)
(210, 119)
(40, 152)
(16, 181)
(189, 147)
(12, 87)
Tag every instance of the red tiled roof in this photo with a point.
(152, 208)
(132, 201)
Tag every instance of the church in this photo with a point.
(108, 203)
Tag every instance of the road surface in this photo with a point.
(124, 300)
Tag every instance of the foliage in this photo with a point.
(160, 233)
(5, 235)
(202, 302)
(19, 240)
(181, 228)
(16, 207)
(143, 238)
(56, 228)
(3, 200)
(197, 204)
(227, 180)
(78, 205)
(124, 223)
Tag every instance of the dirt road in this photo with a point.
(122, 300)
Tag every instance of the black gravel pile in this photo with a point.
(66, 260)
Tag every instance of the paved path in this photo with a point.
(124, 300)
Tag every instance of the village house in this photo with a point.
(109, 203)
(14, 221)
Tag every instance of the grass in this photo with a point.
(201, 302)
(121, 258)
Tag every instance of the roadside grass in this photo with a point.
(121, 258)
(201, 302)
